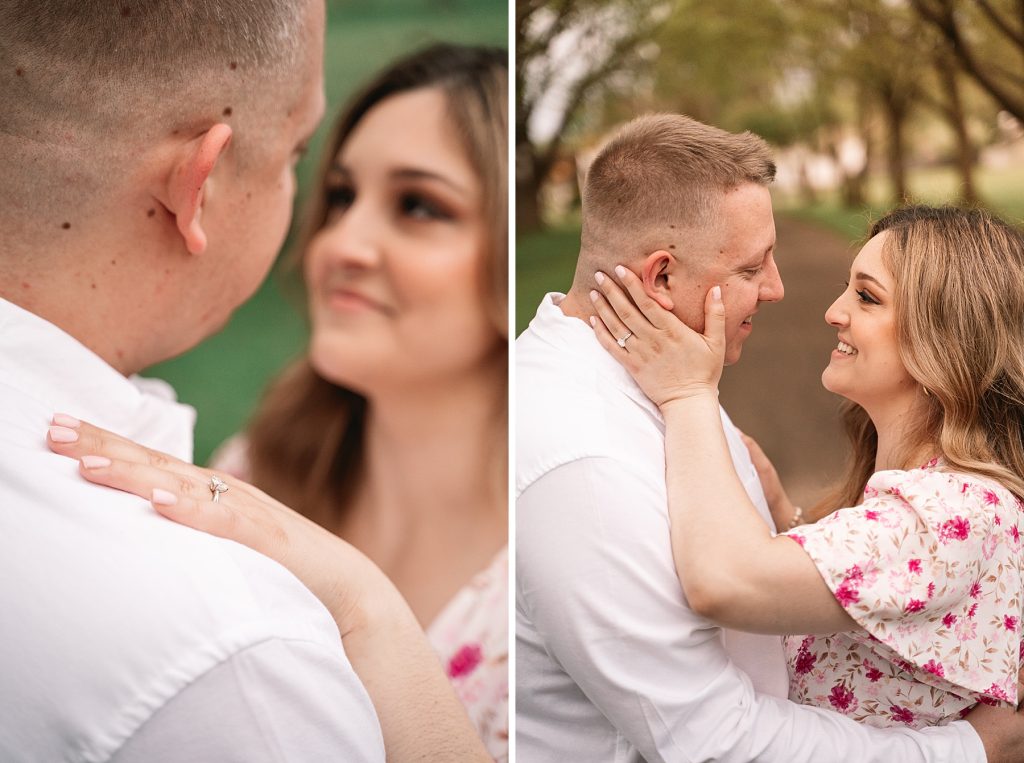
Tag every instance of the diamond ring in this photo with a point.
(217, 486)
(622, 342)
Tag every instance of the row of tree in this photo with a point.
(795, 71)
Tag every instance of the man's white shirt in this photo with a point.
(611, 664)
(127, 637)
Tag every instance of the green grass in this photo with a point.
(225, 375)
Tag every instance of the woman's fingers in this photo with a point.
(655, 314)
(73, 438)
(609, 319)
(142, 479)
(714, 320)
(626, 311)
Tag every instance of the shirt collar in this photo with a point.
(576, 338)
(45, 363)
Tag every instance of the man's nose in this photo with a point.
(772, 289)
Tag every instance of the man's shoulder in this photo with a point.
(108, 606)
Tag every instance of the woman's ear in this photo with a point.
(189, 183)
(655, 271)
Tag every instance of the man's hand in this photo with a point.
(1001, 730)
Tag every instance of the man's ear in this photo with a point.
(655, 272)
(189, 182)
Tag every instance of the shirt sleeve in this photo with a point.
(275, 702)
(930, 566)
(597, 580)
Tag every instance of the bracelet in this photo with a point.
(798, 517)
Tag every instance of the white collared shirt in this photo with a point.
(127, 637)
(611, 664)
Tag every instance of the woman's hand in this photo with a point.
(340, 576)
(384, 643)
(669, 360)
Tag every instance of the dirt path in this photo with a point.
(774, 394)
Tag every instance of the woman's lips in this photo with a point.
(349, 301)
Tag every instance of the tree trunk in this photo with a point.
(896, 116)
(958, 123)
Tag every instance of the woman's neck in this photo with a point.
(437, 453)
(898, 444)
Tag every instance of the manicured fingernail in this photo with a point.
(620, 271)
(593, 295)
(164, 497)
(593, 320)
(62, 419)
(63, 434)
(95, 462)
(716, 293)
(599, 277)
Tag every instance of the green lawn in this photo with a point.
(224, 376)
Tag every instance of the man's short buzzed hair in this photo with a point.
(83, 82)
(664, 171)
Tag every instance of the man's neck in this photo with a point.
(105, 297)
(575, 307)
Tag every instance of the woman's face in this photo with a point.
(866, 367)
(395, 274)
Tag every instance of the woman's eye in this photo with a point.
(340, 197)
(866, 298)
(420, 208)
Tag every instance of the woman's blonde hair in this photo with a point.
(306, 438)
(959, 316)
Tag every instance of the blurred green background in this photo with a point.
(224, 377)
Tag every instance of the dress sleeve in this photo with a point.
(232, 458)
(930, 566)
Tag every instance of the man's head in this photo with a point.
(147, 150)
(686, 206)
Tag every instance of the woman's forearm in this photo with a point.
(420, 716)
(717, 534)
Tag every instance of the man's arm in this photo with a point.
(275, 701)
(597, 576)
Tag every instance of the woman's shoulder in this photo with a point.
(938, 487)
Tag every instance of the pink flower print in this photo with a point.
(956, 528)
(1014, 533)
(931, 590)
(949, 619)
(798, 538)
(914, 605)
(973, 610)
(902, 715)
(855, 573)
(964, 487)
(914, 565)
(894, 490)
(975, 590)
(991, 499)
(871, 492)
(846, 594)
(935, 668)
(996, 692)
(465, 660)
(842, 699)
(998, 520)
(804, 659)
(871, 514)
(1010, 622)
(966, 630)
(931, 464)
(872, 673)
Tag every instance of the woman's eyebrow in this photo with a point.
(867, 277)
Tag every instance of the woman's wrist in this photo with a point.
(689, 399)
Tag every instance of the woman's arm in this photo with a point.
(420, 716)
(732, 570)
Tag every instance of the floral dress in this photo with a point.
(470, 635)
(930, 566)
